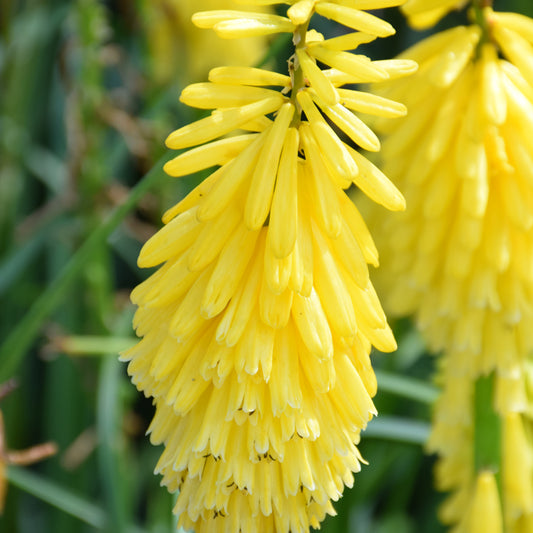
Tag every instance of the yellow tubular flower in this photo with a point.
(258, 325)
(517, 474)
(484, 514)
(460, 256)
(426, 13)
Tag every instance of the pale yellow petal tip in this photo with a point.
(144, 262)
(384, 340)
(171, 141)
(485, 515)
(400, 204)
(170, 168)
(301, 11)
(125, 356)
(198, 20)
(314, 36)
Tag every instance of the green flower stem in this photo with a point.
(410, 388)
(297, 75)
(478, 17)
(487, 427)
(23, 335)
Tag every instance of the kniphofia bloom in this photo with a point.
(257, 327)
(460, 256)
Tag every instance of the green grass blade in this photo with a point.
(22, 336)
(57, 496)
(62, 498)
(13, 267)
(410, 388)
(398, 429)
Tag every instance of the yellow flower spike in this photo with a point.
(251, 27)
(321, 192)
(238, 312)
(349, 41)
(353, 126)
(494, 102)
(172, 240)
(209, 155)
(258, 326)
(516, 22)
(397, 68)
(454, 58)
(312, 36)
(228, 271)
(366, 301)
(511, 395)
(336, 156)
(247, 76)
(516, 48)
(458, 258)
(283, 227)
(332, 290)
(378, 4)
(359, 229)
(258, 124)
(376, 185)
(513, 75)
(210, 95)
(302, 270)
(210, 19)
(192, 199)
(357, 66)
(371, 104)
(263, 180)
(350, 256)
(353, 18)
(210, 241)
(229, 180)
(316, 78)
(221, 122)
(484, 514)
(275, 308)
(300, 12)
(277, 271)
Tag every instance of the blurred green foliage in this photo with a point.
(82, 121)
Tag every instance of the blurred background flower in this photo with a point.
(459, 259)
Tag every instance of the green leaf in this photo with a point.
(398, 429)
(410, 388)
(22, 336)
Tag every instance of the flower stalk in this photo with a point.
(487, 427)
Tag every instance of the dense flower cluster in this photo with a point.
(460, 256)
(258, 325)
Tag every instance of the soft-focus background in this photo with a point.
(88, 92)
